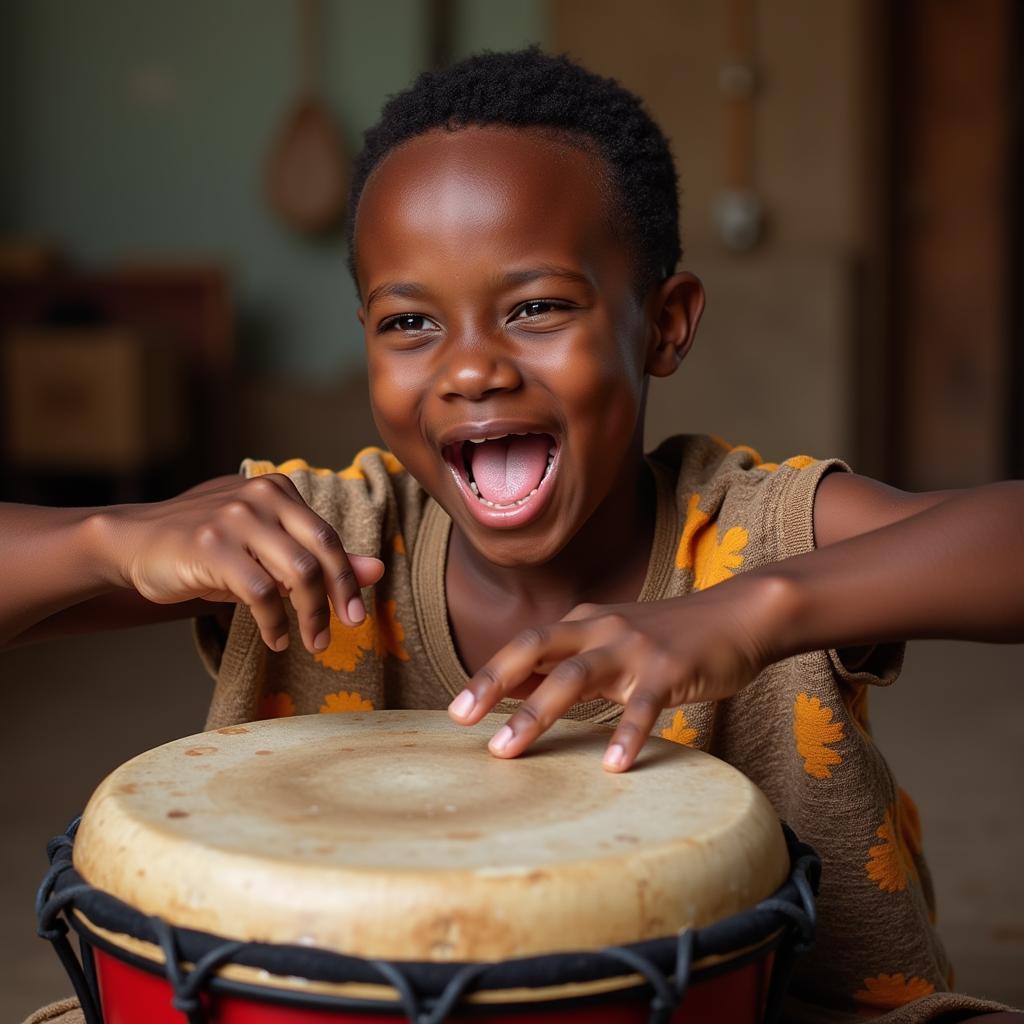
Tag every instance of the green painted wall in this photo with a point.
(142, 127)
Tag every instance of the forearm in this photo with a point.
(953, 571)
(52, 559)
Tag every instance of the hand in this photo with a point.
(646, 657)
(250, 541)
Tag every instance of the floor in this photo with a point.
(953, 729)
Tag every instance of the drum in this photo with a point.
(384, 867)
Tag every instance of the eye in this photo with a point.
(408, 323)
(538, 308)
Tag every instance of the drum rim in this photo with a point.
(752, 932)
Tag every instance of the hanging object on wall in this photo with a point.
(308, 171)
(737, 209)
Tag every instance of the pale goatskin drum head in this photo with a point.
(396, 835)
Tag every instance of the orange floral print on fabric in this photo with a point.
(796, 462)
(700, 550)
(390, 632)
(890, 864)
(814, 730)
(348, 644)
(380, 631)
(680, 731)
(889, 992)
(275, 705)
(355, 471)
(344, 700)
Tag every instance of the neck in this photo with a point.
(604, 563)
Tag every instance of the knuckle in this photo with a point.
(573, 671)
(327, 537)
(646, 700)
(531, 714)
(345, 578)
(260, 589)
(615, 622)
(208, 536)
(263, 485)
(306, 567)
(487, 677)
(535, 636)
(235, 509)
(585, 610)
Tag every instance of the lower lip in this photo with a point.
(507, 518)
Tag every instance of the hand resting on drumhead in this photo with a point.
(873, 578)
(229, 540)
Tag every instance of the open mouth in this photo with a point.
(504, 477)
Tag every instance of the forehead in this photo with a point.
(486, 197)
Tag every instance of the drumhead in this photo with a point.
(396, 835)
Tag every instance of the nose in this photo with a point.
(477, 371)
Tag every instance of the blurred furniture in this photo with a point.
(101, 401)
(115, 383)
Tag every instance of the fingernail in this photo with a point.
(462, 705)
(614, 755)
(323, 638)
(281, 642)
(356, 611)
(500, 740)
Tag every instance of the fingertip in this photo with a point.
(356, 611)
(280, 644)
(615, 758)
(463, 705)
(500, 740)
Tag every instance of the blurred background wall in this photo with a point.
(850, 178)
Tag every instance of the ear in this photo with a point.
(674, 310)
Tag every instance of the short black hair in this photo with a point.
(531, 89)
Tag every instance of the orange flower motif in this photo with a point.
(796, 462)
(814, 730)
(890, 863)
(275, 705)
(380, 632)
(680, 731)
(390, 632)
(344, 700)
(348, 644)
(889, 992)
(355, 472)
(699, 548)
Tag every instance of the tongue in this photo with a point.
(509, 468)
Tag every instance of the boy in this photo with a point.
(514, 243)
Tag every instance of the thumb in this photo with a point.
(368, 570)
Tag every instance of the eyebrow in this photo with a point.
(511, 279)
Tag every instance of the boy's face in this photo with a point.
(499, 302)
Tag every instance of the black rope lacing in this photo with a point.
(50, 926)
(189, 984)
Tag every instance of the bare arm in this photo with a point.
(227, 541)
(895, 566)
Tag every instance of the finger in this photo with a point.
(247, 581)
(638, 717)
(343, 575)
(514, 664)
(301, 573)
(573, 679)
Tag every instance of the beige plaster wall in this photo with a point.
(776, 363)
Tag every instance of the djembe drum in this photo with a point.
(384, 867)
